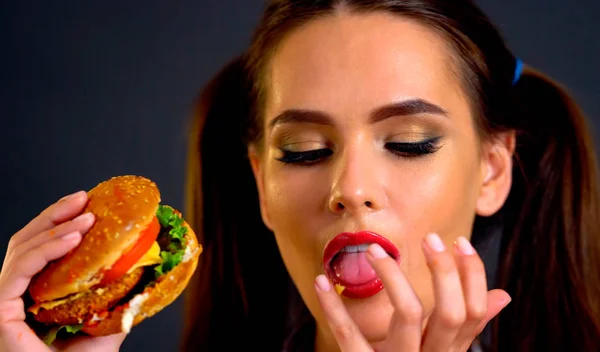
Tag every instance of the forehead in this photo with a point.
(358, 61)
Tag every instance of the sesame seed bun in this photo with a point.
(152, 299)
(123, 206)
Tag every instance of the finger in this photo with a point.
(18, 337)
(92, 344)
(65, 209)
(474, 284)
(12, 310)
(345, 331)
(497, 300)
(80, 224)
(406, 325)
(15, 278)
(449, 312)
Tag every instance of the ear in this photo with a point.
(258, 168)
(496, 173)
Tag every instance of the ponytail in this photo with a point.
(550, 252)
(239, 293)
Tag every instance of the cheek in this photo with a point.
(439, 195)
(295, 201)
(296, 198)
(291, 194)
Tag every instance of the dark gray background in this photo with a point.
(92, 89)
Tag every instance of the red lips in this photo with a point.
(334, 248)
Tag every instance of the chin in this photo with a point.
(372, 315)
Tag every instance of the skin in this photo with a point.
(49, 236)
(346, 66)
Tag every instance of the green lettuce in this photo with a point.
(52, 333)
(172, 254)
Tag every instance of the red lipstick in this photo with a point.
(344, 256)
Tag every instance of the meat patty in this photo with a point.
(78, 309)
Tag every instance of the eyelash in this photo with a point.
(411, 150)
(406, 150)
(308, 157)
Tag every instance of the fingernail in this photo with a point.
(322, 283)
(70, 196)
(377, 252)
(435, 243)
(71, 236)
(84, 217)
(464, 246)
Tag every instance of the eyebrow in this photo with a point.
(402, 108)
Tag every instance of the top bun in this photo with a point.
(123, 206)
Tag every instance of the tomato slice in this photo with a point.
(129, 258)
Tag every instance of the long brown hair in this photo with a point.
(549, 255)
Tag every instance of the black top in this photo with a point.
(302, 339)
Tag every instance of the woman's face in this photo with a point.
(367, 128)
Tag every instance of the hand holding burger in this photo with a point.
(123, 260)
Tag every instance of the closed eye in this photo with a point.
(414, 149)
(403, 149)
(304, 157)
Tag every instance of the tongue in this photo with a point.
(353, 268)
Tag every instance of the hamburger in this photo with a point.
(137, 258)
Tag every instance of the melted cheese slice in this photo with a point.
(152, 257)
(49, 305)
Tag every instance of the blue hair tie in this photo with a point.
(518, 71)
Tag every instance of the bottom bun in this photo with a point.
(153, 299)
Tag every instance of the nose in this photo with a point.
(356, 185)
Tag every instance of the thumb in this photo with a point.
(110, 343)
(497, 299)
